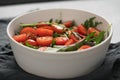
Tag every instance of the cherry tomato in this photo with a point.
(84, 47)
(48, 27)
(20, 37)
(61, 40)
(44, 32)
(41, 24)
(68, 23)
(75, 29)
(74, 38)
(32, 42)
(58, 30)
(28, 30)
(82, 30)
(69, 42)
(91, 29)
(44, 41)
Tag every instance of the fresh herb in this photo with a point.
(31, 46)
(88, 37)
(98, 39)
(56, 35)
(53, 43)
(51, 20)
(26, 25)
(90, 23)
(72, 48)
(58, 21)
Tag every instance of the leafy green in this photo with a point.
(31, 46)
(53, 43)
(88, 37)
(71, 48)
(58, 21)
(90, 23)
(51, 20)
(30, 25)
(56, 35)
(98, 39)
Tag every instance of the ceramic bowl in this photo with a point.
(58, 65)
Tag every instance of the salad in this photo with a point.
(56, 35)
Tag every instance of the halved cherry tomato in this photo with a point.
(61, 40)
(75, 29)
(82, 30)
(91, 29)
(68, 23)
(20, 37)
(72, 36)
(32, 42)
(44, 32)
(41, 24)
(44, 41)
(48, 27)
(28, 30)
(58, 30)
(84, 47)
(69, 42)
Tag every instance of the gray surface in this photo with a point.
(106, 8)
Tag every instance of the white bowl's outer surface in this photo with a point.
(58, 64)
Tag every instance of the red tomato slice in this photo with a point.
(74, 38)
(32, 42)
(58, 30)
(48, 27)
(69, 42)
(68, 23)
(91, 29)
(41, 24)
(44, 41)
(61, 40)
(28, 30)
(75, 29)
(82, 30)
(20, 37)
(44, 32)
(84, 47)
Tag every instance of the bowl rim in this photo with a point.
(60, 53)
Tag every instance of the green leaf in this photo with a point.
(26, 25)
(90, 23)
(100, 37)
(53, 43)
(71, 48)
(51, 20)
(88, 37)
(31, 46)
(56, 35)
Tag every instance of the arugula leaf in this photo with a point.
(88, 37)
(31, 46)
(26, 25)
(56, 35)
(90, 23)
(100, 37)
(51, 20)
(53, 43)
(72, 48)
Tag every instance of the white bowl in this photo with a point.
(58, 64)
